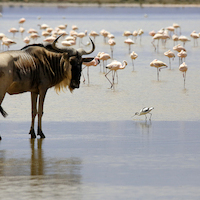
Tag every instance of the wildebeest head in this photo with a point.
(75, 60)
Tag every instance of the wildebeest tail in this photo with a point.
(3, 112)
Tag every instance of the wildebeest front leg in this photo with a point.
(34, 97)
(40, 113)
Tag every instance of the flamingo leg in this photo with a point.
(133, 64)
(88, 74)
(109, 79)
(157, 74)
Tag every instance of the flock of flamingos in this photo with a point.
(172, 32)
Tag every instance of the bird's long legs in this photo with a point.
(109, 79)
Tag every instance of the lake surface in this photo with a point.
(94, 149)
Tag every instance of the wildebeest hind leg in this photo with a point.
(2, 111)
(40, 112)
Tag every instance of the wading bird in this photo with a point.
(112, 43)
(133, 56)
(144, 111)
(170, 55)
(183, 68)
(94, 62)
(114, 66)
(129, 42)
(182, 54)
(159, 65)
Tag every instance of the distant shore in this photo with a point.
(65, 5)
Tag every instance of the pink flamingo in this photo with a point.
(129, 42)
(183, 68)
(93, 34)
(104, 56)
(94, 62)
(159, 65)
(21, 21)
(182, 54)
(114, 66)
(170, 55)
(112, 43)
(133, 56)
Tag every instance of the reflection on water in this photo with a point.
(37, 160)
(97, 160)
(145, 126)
(40, 166)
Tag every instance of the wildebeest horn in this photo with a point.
(54, 44)
(83, 52)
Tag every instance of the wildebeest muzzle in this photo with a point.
(74, 84)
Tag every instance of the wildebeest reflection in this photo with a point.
(35, 69)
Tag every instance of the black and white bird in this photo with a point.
(144, 111)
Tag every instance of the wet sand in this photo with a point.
(101, 160)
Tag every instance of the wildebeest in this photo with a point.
(36, 68)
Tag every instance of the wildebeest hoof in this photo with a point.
(32, 132)
(40, 133)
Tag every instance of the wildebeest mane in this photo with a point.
(41, 64)
(31, 45)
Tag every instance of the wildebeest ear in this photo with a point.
(88, 59)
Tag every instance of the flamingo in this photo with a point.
(94, 34)
(176, 26)
(13, 31)
(32, 30)
(182, 54)
(104, 33)
(129, 42)
(140, 33)
(133, 56)
(144, 111)
(74, 27)
(1, 37)
(152, 33)
(81, 35)
(170, 55)
(34, 36)
(183, 39)
(135, 34)
(94, 62)
(157, 37)
(43, 26)
(127, 34)
(104, 57)
(178, 48)
(63, 27)
(170, 29)
(159, 65)
(45, 33)
(175, 38)
(49, 39)
(112, 43)
(7, 42)
(21, 21)
(21, 30)
(195, 36)
(27, 40)
(114, 66)
(183, 68)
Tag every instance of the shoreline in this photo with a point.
(111, 5)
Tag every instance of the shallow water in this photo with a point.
(93, 149)
(101, 160)
(135, 90)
